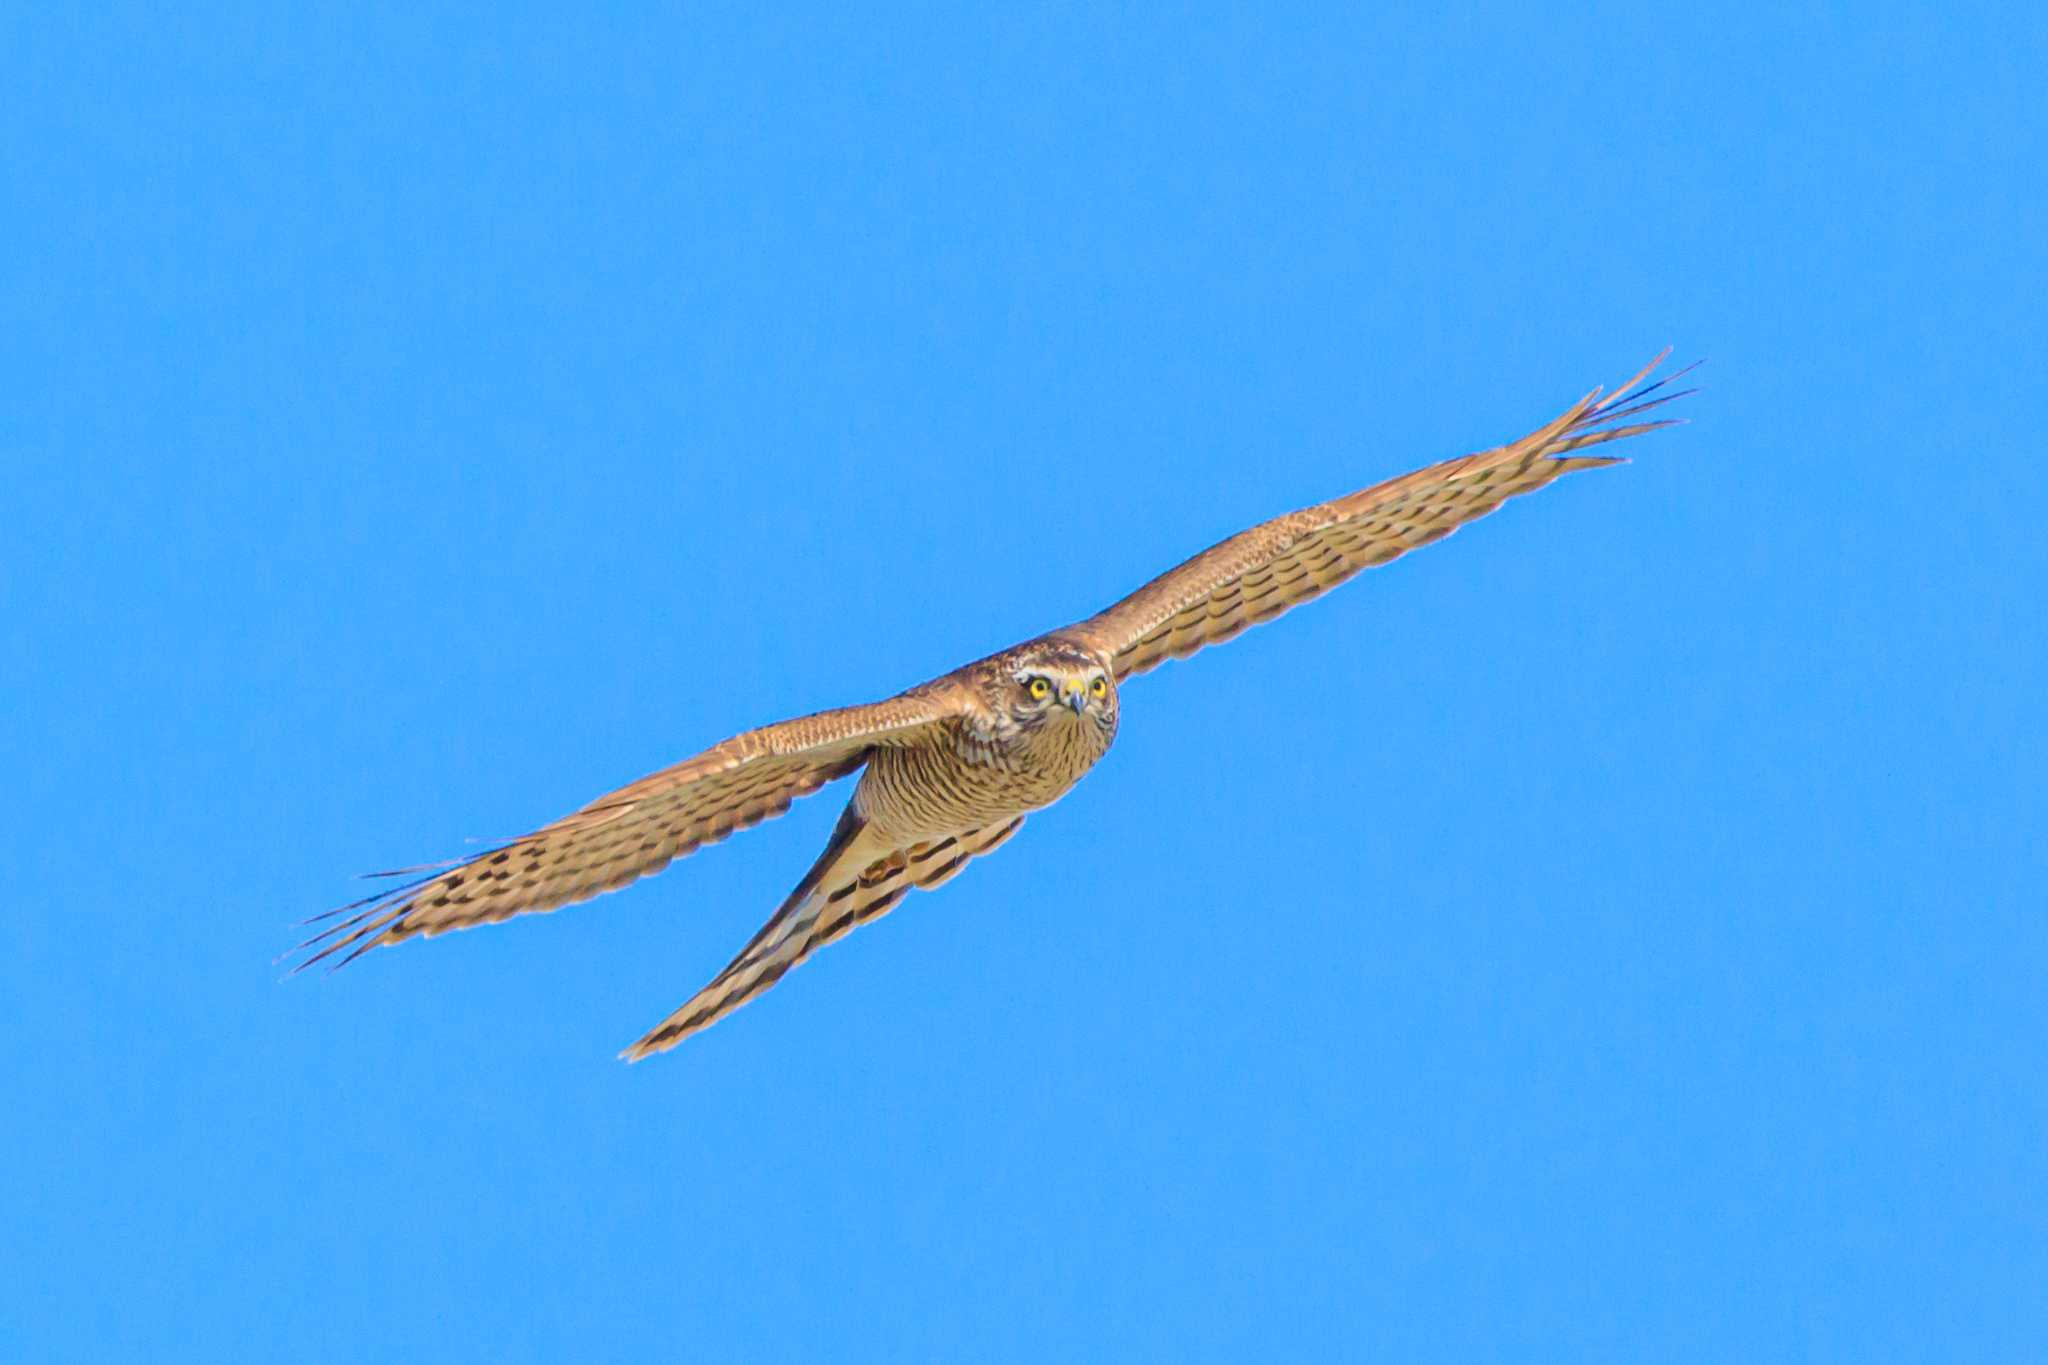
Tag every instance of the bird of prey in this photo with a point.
(950, 768)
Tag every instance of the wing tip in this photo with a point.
(1627, 396)
(1596, 424)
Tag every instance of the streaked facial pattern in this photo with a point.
(1063, 689)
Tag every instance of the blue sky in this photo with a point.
(1614, 933)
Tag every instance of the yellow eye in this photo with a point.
(1099, 688)
(1039, 689)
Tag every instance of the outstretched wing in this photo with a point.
(859, 877)
(640, 829)
(1258, 574)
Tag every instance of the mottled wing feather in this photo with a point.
(640, 829)
(849, 888)
(1258, 574)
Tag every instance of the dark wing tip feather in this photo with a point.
(386, 894)
(1596, 422)
(1629, 398)
(375, 919)
(369, 923)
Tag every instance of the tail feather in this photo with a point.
(859, 877)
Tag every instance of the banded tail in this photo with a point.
(859, 877)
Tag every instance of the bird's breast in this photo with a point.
(926, 792)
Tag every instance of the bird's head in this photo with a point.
(1060, 683)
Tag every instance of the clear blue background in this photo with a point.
(1615, 933)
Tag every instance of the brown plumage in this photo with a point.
(951, 767)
